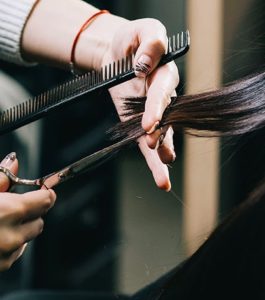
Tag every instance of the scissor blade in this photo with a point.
(82, 165)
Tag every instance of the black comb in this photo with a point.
(109, 76)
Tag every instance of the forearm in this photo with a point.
(51, 29)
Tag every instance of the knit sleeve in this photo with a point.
(13, 16)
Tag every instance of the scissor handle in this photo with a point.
(16, 180)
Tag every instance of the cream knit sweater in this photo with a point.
(13, 16)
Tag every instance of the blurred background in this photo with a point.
(112, 229)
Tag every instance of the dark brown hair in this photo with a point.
(231, 263)
(232, 110)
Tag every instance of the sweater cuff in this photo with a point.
(13, 17)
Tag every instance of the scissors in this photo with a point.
(53, 179)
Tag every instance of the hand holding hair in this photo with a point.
(148, 39)
(232, 110)
(108, 38)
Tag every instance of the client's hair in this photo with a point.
(231, 263)
(231, 110)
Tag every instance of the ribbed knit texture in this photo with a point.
(13, 16)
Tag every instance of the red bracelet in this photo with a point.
(83, 27)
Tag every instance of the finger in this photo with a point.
(10, 162)
(14, 238)
(166, 148)
(53, 195)
(158, 169)
(153, 138)
(153, 41)
(18, 208)
(37, 203)
(14, 252)
(161, 84)
(7, 261)
(30, 230)
(34, 204)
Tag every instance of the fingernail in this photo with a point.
(168, 188)
(153, 128)
(9, 159)
(173, 156)
(143, 66)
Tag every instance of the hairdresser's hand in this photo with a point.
(148, 39)
(109, 38)
(20, 216)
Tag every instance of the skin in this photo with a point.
(20, 217)
(105, 40)
(147, 37)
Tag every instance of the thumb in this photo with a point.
(10, 162)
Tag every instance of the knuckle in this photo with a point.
(8, 205)
(167, 100)
(158, 37)
(176, 73)
(158, 43)
(165, 96)
(47, 203)
(21, 210)
(157, 25)
(173, 69)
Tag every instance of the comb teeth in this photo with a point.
(178, 45)
(111, 75)
(37, 106)
(179, 41)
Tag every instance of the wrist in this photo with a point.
(96, 41)
(52, 27)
